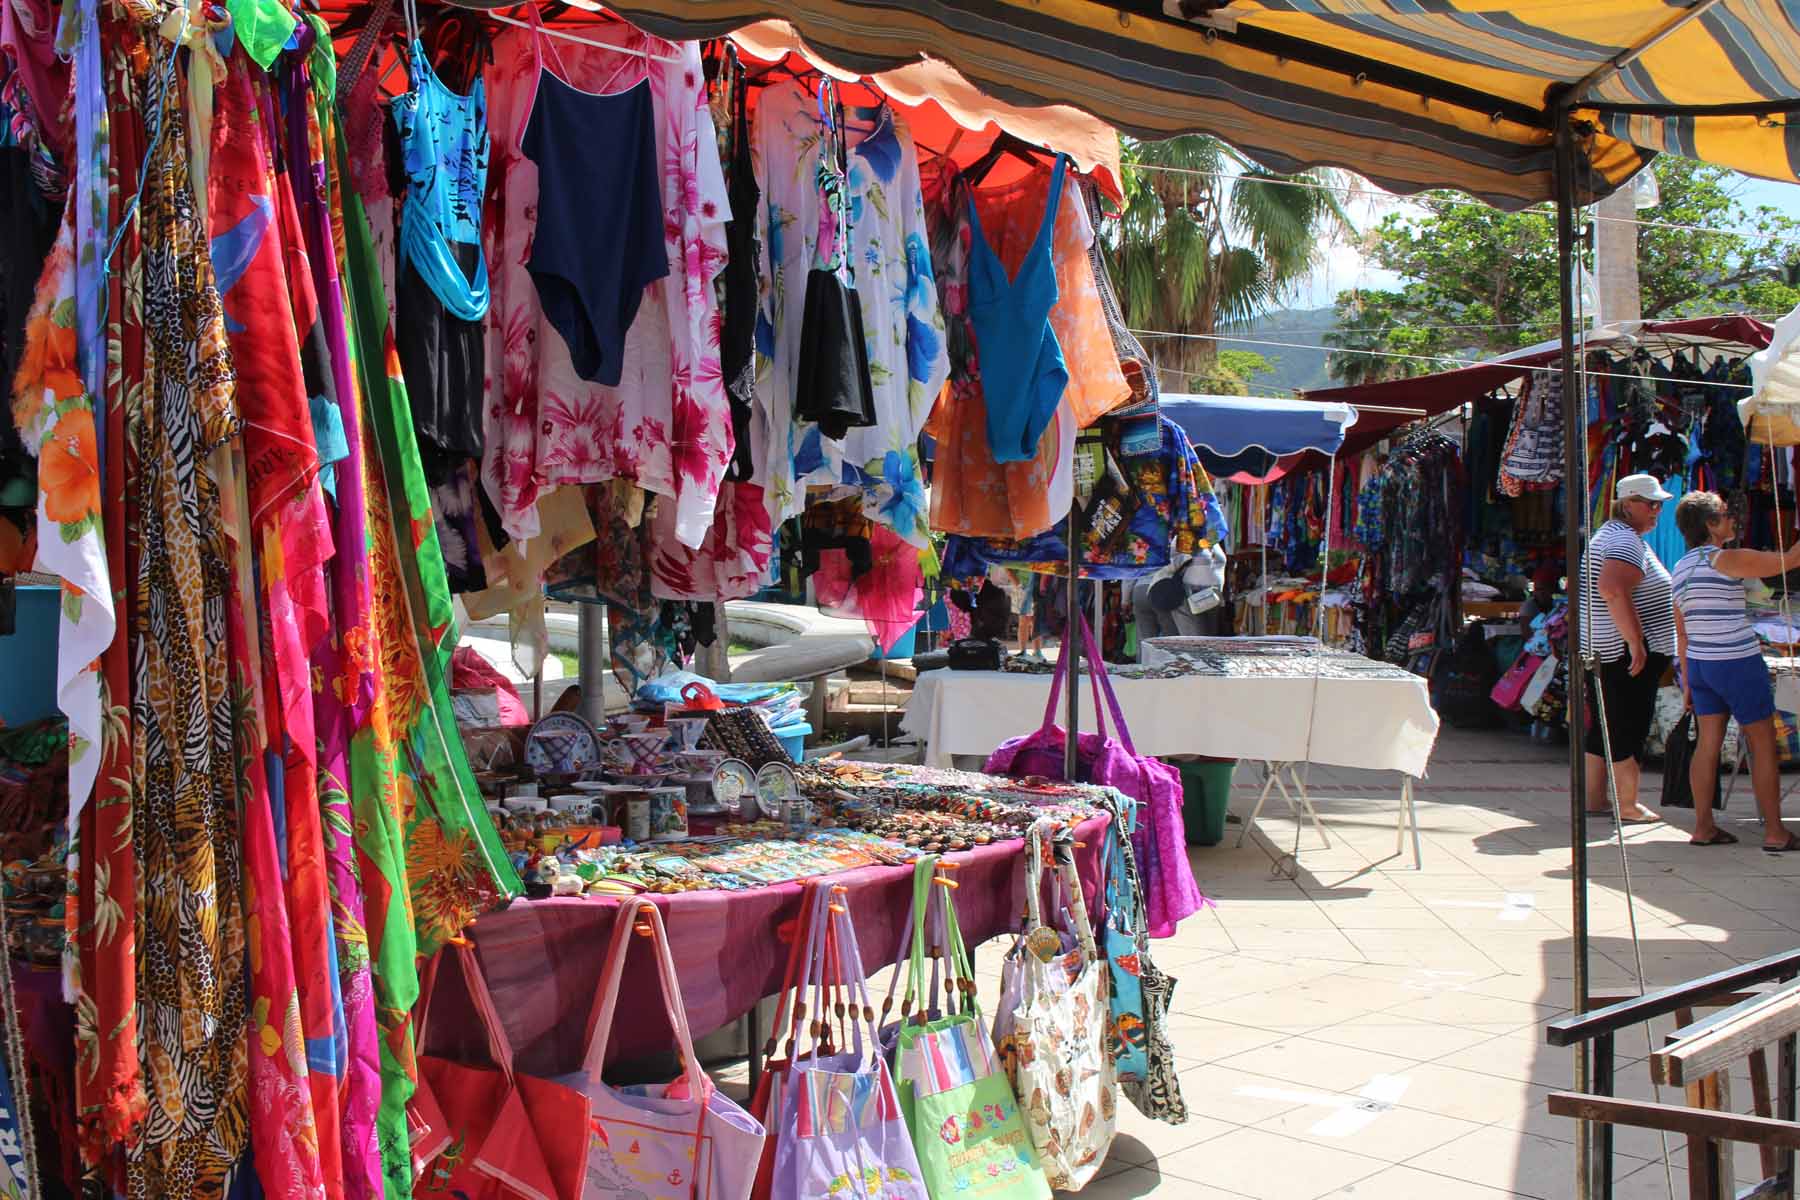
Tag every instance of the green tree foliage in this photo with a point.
(1478, 281)
(1207, 242)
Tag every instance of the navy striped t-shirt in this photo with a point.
(1651, 598)
(1712, 609)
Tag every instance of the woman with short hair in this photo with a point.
(1722, 670)
(1628, 624)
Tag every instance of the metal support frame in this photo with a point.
(1590, 1168)
(1071, 643)
(1277, 776)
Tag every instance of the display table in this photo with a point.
(1353, 713)
(542, 958)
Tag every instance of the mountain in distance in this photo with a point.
(1293, 369)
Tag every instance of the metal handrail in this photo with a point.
(1583, 1027)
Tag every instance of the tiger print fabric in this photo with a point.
(167, 341)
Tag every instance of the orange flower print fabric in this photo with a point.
(972, 494)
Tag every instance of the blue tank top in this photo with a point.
(444, 139)
(1022, 369)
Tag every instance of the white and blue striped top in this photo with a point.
(1712, 609)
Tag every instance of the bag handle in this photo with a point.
(1063, 851)
(1104, 681)
(1034, 873)
(633, 912)
(787, 1004)
(499, 1049)
(1122, 900)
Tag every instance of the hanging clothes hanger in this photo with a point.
(781, 72)
(634, 51)
(1006, 145)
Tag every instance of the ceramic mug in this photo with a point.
(668, 812)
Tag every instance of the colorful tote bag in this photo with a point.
(1141, 996)
(683, 1140)
(841, 1134)
(966, 1127)
(1126, 946)
(488, 1133)
(790, 1008)
(1053, 1023)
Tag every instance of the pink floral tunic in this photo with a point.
(667, 426)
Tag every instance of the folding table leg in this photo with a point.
(1411, 816)
(1305, 802)
(1269, 769)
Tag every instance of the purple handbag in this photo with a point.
(1159, 843)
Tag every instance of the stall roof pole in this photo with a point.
(1071, 643)
(1574, 508)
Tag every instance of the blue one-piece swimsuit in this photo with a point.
(1022, 369)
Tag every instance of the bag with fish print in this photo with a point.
(841, 1134)
(966, 1127)
(1054, 1024)
(1140, 992)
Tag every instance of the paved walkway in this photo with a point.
(1367, 1030)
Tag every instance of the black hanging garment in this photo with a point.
(737, 283)
(832, 387)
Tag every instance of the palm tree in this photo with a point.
(1209, 241)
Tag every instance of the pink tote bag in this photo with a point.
(1159, 842)
(683, 1140)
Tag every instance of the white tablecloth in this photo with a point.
(1382, 724)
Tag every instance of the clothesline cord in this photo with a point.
(1353, 190)
(1493, 325)
(1440, 359)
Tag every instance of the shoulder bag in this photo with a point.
(683, 1140)
(1052, 1026)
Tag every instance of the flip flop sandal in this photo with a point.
(1640, 820)
(1720, 837)
(1792, 844)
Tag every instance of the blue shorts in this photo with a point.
(1738, 686)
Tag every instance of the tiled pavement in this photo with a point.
(1368, 1030)
(1373, 1032)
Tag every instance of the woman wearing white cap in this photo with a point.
(1628, 623)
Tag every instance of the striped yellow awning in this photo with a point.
(1410, 93)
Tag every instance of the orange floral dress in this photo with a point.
(971, 493)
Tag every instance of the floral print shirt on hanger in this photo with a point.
(667, 427)
(902, 325)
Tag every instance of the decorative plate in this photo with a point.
(734, 786)
(562, 744)
(775, 786)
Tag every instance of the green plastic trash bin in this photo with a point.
(1205, 797)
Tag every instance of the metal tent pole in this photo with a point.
(1574, 493)
(590, 639)
(1071, 644)
(1325, 546)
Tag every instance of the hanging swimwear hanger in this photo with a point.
(547, 31)
(1004, 145)
(778, 72)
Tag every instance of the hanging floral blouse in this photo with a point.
(1170, 510)
(903, 328)
(667, 426)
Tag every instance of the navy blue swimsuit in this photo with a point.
(599, 238)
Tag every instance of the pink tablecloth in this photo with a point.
(542, 957)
